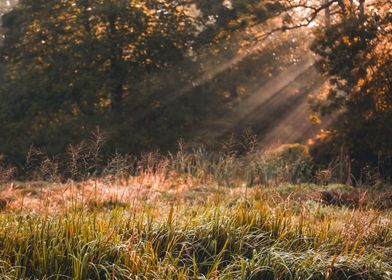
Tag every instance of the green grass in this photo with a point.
(199, 215)
(246, 235)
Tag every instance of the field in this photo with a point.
(170, 220)
(195, 139)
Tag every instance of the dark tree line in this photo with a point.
(127, 68)
(355, 51)
(144, 72)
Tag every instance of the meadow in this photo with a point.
(236, 81)
(196, 216)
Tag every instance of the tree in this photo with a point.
(356, 53)
(353, 46)
(72, 64)
(5, 6)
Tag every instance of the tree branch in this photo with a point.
(307, 21)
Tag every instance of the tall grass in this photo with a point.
(289, 163)
(247, 239)
(237, 162)
(234, 232)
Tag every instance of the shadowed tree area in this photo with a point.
(125, 67)
(147, 73)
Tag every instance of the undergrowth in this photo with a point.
(235, 163)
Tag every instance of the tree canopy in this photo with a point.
(76, 66)
(149, 72)
(355, 53)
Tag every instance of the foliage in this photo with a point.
(147, 73)
(355, 53)
(127, 67)
(74, 65)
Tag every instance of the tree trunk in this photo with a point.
(116, 71)
(362, 8)
(327, 15)
(86, 16)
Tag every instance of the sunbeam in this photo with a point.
(208, 75)
(269, 96)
